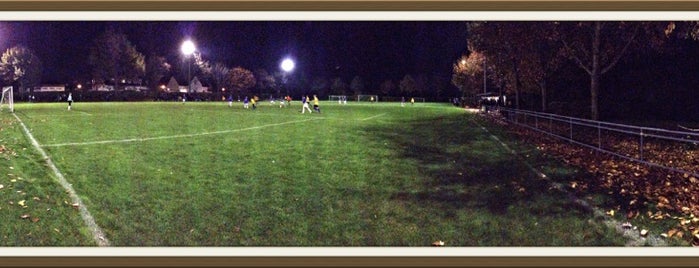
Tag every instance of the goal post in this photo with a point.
(370, 98)
(7, 99)
(339, 98)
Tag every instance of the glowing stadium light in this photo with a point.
(287, 65)
(188, 47)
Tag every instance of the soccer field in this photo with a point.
(205, 174)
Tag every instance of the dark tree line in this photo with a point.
(527, 58)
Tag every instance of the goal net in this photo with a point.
(370, 98)
(7, 100)
(338, 98)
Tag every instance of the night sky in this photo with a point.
(373, 50)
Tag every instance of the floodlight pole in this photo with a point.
(189, 74)
(484, 74)
(287, 66)
(188, 49)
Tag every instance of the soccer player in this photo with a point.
(230, 100)
(304, 100)
(254, 102)
(245, 102)
(412, 101)
(315, 103)
(70, 100)
(402, 102)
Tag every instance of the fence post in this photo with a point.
(599, 138)
(641, 146)
(551, 123)
(571, 128)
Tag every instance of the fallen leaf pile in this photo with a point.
(640, 190)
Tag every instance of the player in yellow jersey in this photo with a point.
(315, 103)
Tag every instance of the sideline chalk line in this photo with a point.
(97, 233)
(636, 239)
(174, 136)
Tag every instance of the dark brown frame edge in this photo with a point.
(349, 262)
(349, 5)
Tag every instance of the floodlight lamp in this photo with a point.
(287, 65)
(188, 47)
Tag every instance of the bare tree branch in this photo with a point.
(623, 50)
(575, 57)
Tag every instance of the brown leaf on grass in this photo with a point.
(672, 232)
(644, 232)
(35, 219)
(438, 243)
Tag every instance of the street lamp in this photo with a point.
(187, 49)
(287, 66)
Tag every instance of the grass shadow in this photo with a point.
(466, 174)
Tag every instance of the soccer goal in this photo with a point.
(7, 99)
(341, 99)
(370, 98)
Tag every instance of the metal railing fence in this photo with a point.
(645, 145)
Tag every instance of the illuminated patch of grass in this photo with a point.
(204, 174)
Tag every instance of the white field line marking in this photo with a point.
(633, 235)
(73, 113)
(86, 113)
(173, 136)
(97, 232)
(369, 118)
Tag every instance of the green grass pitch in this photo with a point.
(205, 174)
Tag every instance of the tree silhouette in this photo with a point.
(113, 58)
(20, 65)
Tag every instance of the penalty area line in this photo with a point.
(175, 136)
(96, 231)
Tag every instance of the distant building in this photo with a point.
(50, 88)
(136, 88)
(174, 86)
(102, 87)
(197, 86)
